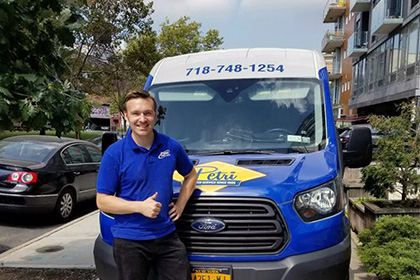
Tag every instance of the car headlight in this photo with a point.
(320, 202)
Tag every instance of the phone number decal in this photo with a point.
(234, 68)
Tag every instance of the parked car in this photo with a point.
(345, 135)
(47, 174)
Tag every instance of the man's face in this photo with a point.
(141, 116)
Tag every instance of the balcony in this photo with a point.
(357, 6)
(357, 44)
(333, 39)
(386, 16)
(333, 10)
(335, 71)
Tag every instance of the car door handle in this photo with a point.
(76, 173)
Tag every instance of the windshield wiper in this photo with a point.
(234, 152)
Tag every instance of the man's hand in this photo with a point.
(150, 207)
(176, 212)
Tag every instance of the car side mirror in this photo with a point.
(359, 148)
(108, 138)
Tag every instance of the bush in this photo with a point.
(391, 248)
(397, 158)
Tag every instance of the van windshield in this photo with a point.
(243, 115)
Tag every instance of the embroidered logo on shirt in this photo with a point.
(164, 154)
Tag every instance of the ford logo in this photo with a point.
(208, 225)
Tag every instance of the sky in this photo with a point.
(252, 23)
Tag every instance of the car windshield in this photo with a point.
(27, 150)
(243, 116)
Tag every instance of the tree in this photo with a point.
(35, 37)
(97, 65)
(397, 156)
(99, 43)
(141, 53)
(181, 37)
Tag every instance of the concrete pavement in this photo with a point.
(71, 246)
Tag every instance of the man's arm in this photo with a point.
(186, 191)
(116, 205)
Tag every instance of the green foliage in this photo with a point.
(181, 37)
(34, 39)
(96, 64)
(391, 248)
(397, 156)
(141, 53)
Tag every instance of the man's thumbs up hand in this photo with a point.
(150, 207)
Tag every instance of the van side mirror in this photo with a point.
(359, 148)
(108, 138)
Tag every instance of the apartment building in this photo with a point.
(373, 56)
(334, 46)
(385, 51)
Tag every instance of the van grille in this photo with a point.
(253, 226)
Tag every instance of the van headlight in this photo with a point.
(320, 202)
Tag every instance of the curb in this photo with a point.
(27, 243)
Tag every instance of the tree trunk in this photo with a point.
(404, 192)
(42, 131)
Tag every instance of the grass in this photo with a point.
(85, 134)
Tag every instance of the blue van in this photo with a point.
(259, 127)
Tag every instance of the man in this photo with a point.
(135, 184)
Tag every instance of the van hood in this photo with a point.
(277, 176)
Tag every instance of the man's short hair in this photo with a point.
(138, 94)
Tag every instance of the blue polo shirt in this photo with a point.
(135, 173)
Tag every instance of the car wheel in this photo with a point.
(65, 205)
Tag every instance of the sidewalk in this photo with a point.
(71, 246)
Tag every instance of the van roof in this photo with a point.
(253, 63)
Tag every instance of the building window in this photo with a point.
(372, 69)
(414, 3)
(388, 50)
(381, 65)
(413, 33)
(395, 53)
(355, 79)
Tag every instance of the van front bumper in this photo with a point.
(331, 263)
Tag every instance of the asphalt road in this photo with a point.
(16, 229)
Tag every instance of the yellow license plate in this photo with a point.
(211, 273)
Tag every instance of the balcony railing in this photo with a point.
(359, 6)
(333, 10)
(386, 16)
(357, 44)
(333, 39)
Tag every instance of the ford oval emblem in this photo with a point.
(208, 225)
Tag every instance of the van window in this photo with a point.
(244, 115)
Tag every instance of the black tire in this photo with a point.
(65, 205)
